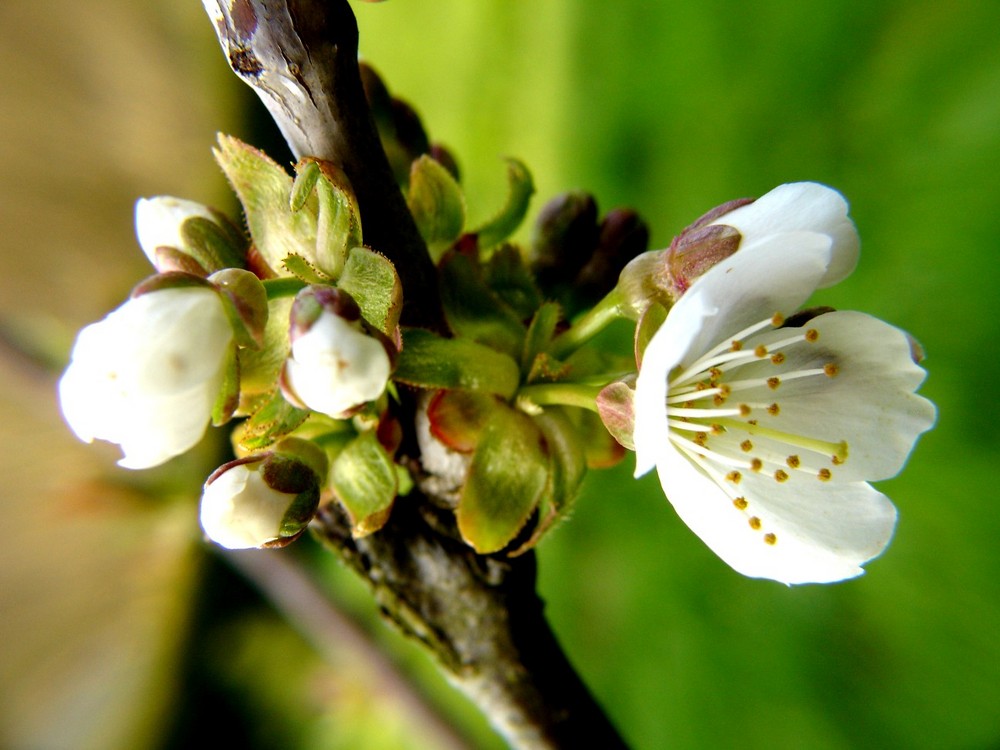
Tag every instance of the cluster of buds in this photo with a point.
(757, 416)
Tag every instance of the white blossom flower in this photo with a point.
(158, 222)
(800, 206)
(241, 510)
(334, 366)
(147, 376)
(763, 434)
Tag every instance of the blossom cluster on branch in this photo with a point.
(765, 422)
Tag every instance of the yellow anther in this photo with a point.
(734, 477)
(756, 464)
(770, 539)
(773, 409)
(778, 358)
(824, 475)
(755, 523)
(773, 383)
(740, 502)
(736, 346)
(831, 369)
(746, 446)
(780, 475)
(778, 320)
(760, 351)
(793, 462)
(744, 410)
(812, 335)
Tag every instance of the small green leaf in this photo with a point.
(540, 333)
(339, 224)
(263, 188)
(507, 476)
(510, 279)
(371, 279)
(430, 361)
(567, 469)
(303, 270)
(364, 479)
(437, 204)
(273, 419)
(474, 311)
(259, 368)
(502, 225)
(228, 398)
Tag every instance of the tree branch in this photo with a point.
(301, 58)
(479, 615)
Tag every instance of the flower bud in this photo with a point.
(148, 376)
(259, 501)
(182, 235)
(623, 235)
(565, 236)
(336, 364)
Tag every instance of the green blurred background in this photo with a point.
(119, 629)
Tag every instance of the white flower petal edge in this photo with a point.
(158, 222)
(761, 434)
(239, 510)
(801, 206)
(147, 376)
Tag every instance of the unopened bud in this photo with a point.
(623, 236)
(182, 235)
(566, 234)
(260, 501)
(337, 364)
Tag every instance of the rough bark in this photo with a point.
(479, 615)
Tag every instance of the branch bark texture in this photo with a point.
(479, 615)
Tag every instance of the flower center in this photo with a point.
(724, 414)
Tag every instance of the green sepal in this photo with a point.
(263, 188)
(457, 418)
(303, 270)
(649, 323)
(437, 204)
(306, 452)
(615, 405)
(430, 361)
(508, 276)
(474, 311)
(170, 260)
(507, 476)
(170, 280)
(260, 368)
(245, 301)
(273, 419)
(286, 472)
(211, 245)
(363, 477)
(567, 468)
(520, 188)
(540, 334)
(371, 279)
(228, 398)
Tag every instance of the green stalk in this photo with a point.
(592, 323)
(561, 394)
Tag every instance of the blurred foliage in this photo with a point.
(670, 108)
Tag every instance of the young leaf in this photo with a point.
(274, 419)
(507, 476)
(437, 205)
(473, 311)
(364, 479)
(430, 361)
(371, 279)
(502, 225)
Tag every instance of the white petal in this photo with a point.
(806, 206)
(239, 511)
(158, 222)
(870, 402)
(823, 532)
(778, 276)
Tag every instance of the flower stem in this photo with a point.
(560, 394)
(283, 287)
(593, 322)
